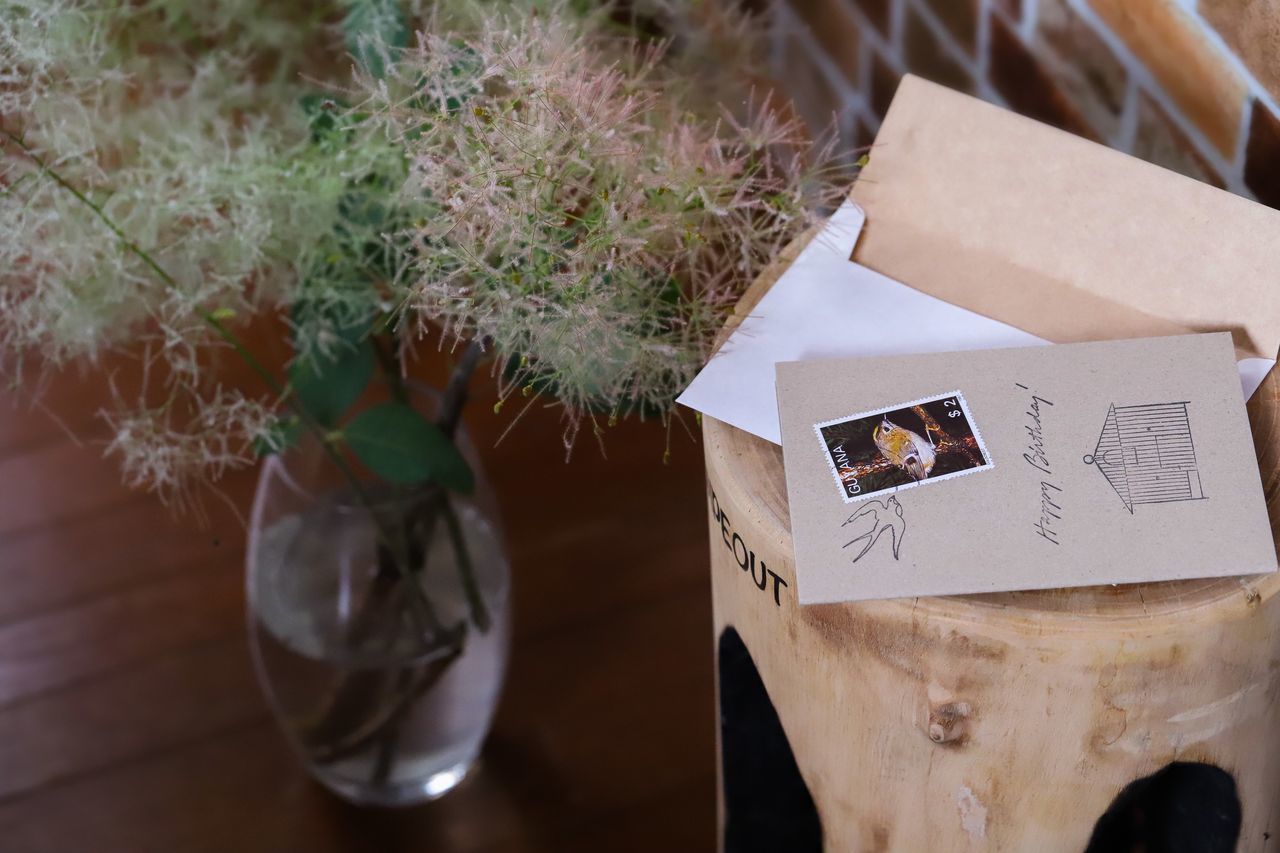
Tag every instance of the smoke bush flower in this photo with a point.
(181, 122)
(521, 175)
(171, 452)
(575, 214)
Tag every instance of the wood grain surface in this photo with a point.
(1009, 721)
(129, 715)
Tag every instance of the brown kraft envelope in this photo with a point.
(1057, 235)
(1074, 465)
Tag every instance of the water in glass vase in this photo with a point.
(385, 681)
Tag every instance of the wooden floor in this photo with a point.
(129, 715)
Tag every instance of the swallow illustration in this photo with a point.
(885, 516)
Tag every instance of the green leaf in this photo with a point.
(400, 445)
(465, 71)
(350, 320)
(375, 29)
(325, 114)
(281, 435)
(366, 206)
(326, 387)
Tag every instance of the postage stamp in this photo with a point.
(899, 447)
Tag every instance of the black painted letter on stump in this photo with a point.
(1182, 808)
(767, 804)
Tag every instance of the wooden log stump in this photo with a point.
(1010, 721)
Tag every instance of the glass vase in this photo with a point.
(379, 623)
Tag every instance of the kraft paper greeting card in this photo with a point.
(1028, 468)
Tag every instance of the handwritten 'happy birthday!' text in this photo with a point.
(1037, 456)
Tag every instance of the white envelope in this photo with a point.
(827, 306)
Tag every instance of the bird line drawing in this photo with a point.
(886, 517)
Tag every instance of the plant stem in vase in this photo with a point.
(387, 703)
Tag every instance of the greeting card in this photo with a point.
(1024, 468)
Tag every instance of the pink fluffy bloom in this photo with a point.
(576, 214)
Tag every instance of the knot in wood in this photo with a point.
(949, 722)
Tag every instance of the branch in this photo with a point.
(948, 443)
(455, 393)
(420, 607)
(389, 361)
(875, 466)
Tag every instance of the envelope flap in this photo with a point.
(1058, 235)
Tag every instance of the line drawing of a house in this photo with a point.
(1147, 454)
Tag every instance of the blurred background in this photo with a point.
(1191, 85)
(129, 714)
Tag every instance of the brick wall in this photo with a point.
(1192, 85)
